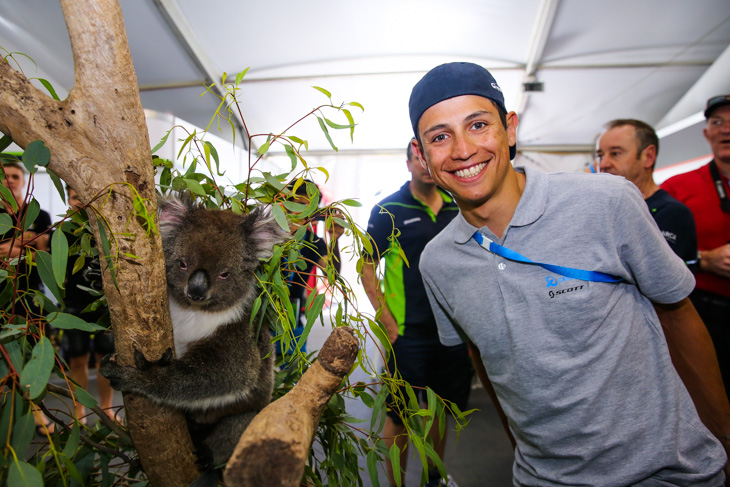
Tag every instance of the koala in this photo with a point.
(222, 373)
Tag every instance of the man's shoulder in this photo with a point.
(439, 246)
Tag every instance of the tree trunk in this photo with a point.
(100, 147)
(275, 446)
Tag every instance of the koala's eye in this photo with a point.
(183, 265)
(224, 275)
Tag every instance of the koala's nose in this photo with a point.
(198, 285)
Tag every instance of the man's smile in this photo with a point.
(470, 171)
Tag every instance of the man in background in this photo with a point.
(629, 148)
(415, 214)
(705, 192)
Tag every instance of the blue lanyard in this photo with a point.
(563, 271)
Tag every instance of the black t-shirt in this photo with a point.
(676, 223)
(39, 225)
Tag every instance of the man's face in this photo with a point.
(617, 153)
(717, 133)
(466, 147)
(419, 173)
(14, 181)
(73, 200)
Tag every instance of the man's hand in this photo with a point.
(716, 261)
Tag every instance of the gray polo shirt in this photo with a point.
(582, 369)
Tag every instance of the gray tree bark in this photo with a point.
(100, 147)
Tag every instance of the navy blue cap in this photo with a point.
(716, 102)
(451, 80)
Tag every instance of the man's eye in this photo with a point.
(479, 125)
(439, 138)
(615, 154)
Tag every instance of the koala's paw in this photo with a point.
(116, 374)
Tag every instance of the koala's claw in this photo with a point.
(141, 362)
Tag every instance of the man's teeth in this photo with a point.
(471, 171)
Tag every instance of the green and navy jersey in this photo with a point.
(414, 224)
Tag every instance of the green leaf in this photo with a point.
(336, 126)
(394, 454)
(59, 253)
(356, 104)
(322, 90)
(239, 76)
(161, 142)
(85, 398)
(326, 133)
(58, 184)
(9, 330)
(194, 186)
(36, 373)
(44, 263)
(292, 156)
(22, 474)
(265, 147)
(107, 252)
(210, 149)
(255, 308)
(23, 430)
(279, 216)
(73, 440)
(49, 87)
(65, 321)
(6, 223)
(31, 213)
(299, 141)
(350, 202)
(352, 123)
(36, 154)
(5, 142)
(8, 197)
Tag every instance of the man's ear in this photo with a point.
(649, 156)
(419, 154)
(512, 122)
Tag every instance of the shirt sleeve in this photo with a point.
(656, 270)
(679, 224)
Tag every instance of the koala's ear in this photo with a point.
(171, 211)
(263, 231)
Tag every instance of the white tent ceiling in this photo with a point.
(656, 60)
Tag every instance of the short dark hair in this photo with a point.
(645, 134)
(14, 164)
(409, 149)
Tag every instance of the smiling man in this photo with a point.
(564, 288)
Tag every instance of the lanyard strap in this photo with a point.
(509, 254)
(720, 187)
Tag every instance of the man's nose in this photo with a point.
(463, 148)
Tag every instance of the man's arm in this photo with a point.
(693, 355)
(716, 261)
(476, 359)
(371, 284)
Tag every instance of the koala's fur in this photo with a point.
(222, 375)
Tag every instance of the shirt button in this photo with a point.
(502, 266)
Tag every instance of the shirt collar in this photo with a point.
(530, 207)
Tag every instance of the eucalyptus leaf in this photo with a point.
(59, 253)
(6, 223)
(44, 263)
(22, 474)
(32, 210)
(58, 184)
(8, 197)
(23, 430)
(36, 373)
(161, 142)
(49, 87)
(326, 133)
(280, 217)
(65, 321)
(36, 154)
